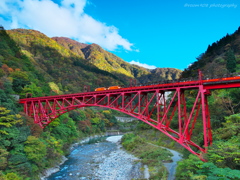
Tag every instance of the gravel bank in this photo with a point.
(119, 165)
(100, 161)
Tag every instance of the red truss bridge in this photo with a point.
(150, 104)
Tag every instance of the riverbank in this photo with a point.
(161, 161)
(108, 162)
(52, 170)
(171, 166)
(46, 173)
(119, 165)
(104, 160)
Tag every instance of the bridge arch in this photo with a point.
(149, 105)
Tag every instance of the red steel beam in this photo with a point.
(147, 103)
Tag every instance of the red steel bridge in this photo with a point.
(151, 104)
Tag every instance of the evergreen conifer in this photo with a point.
(231, 61)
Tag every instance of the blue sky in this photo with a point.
(147, 32)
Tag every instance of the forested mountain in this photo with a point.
(55, 63)
(221, 58)
(109, 62)
(72, 45)
(31, 62)
(71, 65)
(160, 74)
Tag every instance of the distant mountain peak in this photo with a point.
(111, 63)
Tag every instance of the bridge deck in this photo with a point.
(219, 83)
(148, 103)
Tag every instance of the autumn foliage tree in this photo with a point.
(7, 120)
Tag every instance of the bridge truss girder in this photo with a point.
(174, 116)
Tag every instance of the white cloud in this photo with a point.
(143, 65)
(66, 19)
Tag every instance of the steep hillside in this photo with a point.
(215, 61)
(72, 45)
(111, 63)
(160, 74)
(70, 65)
(32, 63)
(54, 63)
(102, 59)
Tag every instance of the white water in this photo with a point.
(114, 139)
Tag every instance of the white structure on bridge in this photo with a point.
(126, 119)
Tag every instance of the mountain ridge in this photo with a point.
(108, 61)
(213, 62)
(71, 65)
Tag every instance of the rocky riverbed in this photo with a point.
(104, 160)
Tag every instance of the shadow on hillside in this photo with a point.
(8, 48)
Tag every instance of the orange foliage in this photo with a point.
(10, 70)
(5, 68)
(82, 125)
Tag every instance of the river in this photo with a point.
(99, 161)
(105, 161)
(171, 167)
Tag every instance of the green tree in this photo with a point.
(20, 79)
(231, 61)
(211, 172)
(225, 151)
(33, 89)
(77, 115)
(7, 120)
(188, 167)
(35, 150)
(63, 128)
(3, 158)
(12, 176)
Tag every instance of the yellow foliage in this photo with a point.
(10, 79)
(54, 87)
(7, 119)
(107, 112)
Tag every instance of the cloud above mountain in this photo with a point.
(65, 18)
(143, 65)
